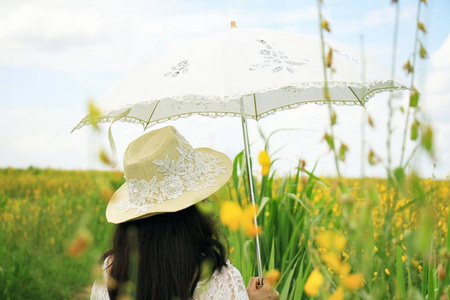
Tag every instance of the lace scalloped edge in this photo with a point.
(366, 98)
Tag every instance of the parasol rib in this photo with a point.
(150, 118)
(254, 104)
(360, 102)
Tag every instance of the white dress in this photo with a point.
(227, 285)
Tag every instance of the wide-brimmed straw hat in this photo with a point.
(163, 174)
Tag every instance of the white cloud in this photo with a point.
(436, 102)
(437, 94)
(104, 35)
(372, 19)
(385, 15)
(438, 79)
(40, 137)
(38, 144)
(441, 58)
(305, 14)
(75, 36)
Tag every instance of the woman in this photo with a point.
(163, 247)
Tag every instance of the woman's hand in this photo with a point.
(258, 292)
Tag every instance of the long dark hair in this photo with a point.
(163, 255)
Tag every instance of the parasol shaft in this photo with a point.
(250, 185)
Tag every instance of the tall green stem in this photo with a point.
(391, 112)
(326, 91)
(416, 42)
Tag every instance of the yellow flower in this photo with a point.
(272, 277)
(250, 229)
(352, 281)
(264, 161)
(331, 240)
(335, 263)
(250, 212)
(345, 255)
(264, 158)
(265, 170)
(338, 294)
(387, 271)
(374, 276)
(231, 215)
(248, 222)
(313, 282)
(404, 257)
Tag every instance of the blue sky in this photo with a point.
(54, 55)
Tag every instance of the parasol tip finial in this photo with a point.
(233, 24)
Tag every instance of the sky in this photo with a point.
(55, 55)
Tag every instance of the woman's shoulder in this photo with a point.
(226, 283)
(99, 290)
(229, 271)
(106, 266)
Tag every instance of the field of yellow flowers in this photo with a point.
(317, 241)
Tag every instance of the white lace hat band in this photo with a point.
(164, 173)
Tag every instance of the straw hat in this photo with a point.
(164, 173)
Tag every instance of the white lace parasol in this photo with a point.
(271, 70)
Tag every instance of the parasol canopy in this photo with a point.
(270, 70)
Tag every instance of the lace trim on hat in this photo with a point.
(193, 171)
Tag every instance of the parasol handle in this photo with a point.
(111, 139)
(250, 184)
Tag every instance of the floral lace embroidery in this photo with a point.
(99, 290)
(276, 59)
(193, 171)
(346, 56)
(181, 67)
(227, 284)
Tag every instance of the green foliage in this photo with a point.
(415, 130)
(414, 99)
(427, 139)
(400, 273)
(42, 210)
